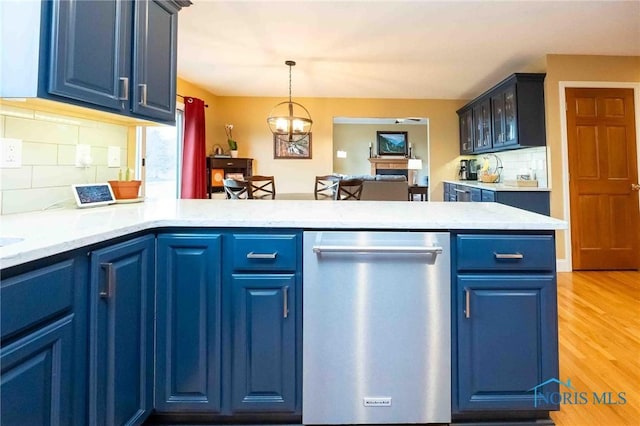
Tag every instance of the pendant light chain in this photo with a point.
(289, 83)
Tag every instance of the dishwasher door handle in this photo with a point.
(378, 249)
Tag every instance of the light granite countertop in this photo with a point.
(46, 233)
(497, 186)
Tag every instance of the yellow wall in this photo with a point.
(565, 68)
(249, 115)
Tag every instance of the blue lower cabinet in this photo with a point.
(43, 346)
(188, 359)
(121, 338)
(36, 377)
(507, 341)
(264, 350)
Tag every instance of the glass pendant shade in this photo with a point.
(290, 120)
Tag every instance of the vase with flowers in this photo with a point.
(233, 145)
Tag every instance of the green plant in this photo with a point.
(228, 129)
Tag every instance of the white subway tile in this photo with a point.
(34, 153)
(40, 131)
(1, 126)
(99, 155)
(104, 136)
(25, 200)
(104, 174)
(48, 176)
(19, 178)
(66, 155)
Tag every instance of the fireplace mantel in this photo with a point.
(399, 163)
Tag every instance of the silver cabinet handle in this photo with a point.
(111, 278)
(508, 255)
(285, 302)
(377, 249)
(252, 255)
(125, 88)
(461, 190)
(143, 94)
(467, 303)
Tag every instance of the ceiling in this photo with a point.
(390, 49)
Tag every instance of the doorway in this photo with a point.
(603, 178)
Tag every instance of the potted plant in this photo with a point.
(233, 145)
(125, 189)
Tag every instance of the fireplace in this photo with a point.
(391, 166)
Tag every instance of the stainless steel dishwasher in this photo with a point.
(376, 328)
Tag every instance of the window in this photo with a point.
(159, 158)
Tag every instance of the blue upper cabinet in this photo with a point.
(188, 361)
(509, 115)
(90, 52)
(121, 339)
(154, 67)
(114, 55)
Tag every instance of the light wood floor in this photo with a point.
(599, 338)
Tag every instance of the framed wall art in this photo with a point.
(282, 148)
(392, 143)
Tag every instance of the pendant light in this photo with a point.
(290, 119)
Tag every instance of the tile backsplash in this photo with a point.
(520, 161)
(48, 168)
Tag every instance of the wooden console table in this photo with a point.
(399, 163)
(219, 168)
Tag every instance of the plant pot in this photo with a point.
(234, 153)
(125, 189)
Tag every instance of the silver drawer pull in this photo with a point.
(377, 249)
(111, 278)
(467, 303)
(252, 255)
(508, 255)
(285, 302)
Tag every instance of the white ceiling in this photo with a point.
(390, 49)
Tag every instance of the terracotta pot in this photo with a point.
(124, 190)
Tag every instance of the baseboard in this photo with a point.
(563, 265)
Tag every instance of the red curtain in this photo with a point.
(194, 175)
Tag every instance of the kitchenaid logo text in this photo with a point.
(568, 395)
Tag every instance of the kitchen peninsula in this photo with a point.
(219, 283)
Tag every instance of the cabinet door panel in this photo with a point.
(188, 334)
(264, 346)
(154, 72)
(36, 380)
(90, 51)
(507, 341)
(121, 367)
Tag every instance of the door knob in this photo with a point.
(635, 187)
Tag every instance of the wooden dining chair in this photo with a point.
(236, 189)
(326, 187)
(261, 187)
(349, 189)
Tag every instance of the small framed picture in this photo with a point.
(300, 149)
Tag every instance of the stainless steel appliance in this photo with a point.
(468, 170)
(376, 327)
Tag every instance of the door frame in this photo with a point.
(566, 265)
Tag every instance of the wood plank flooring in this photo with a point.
(599, 339)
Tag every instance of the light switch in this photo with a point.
(11, 153)
(113, 156)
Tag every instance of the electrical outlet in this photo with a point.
(11, 153)
(113, 156)
(83, 155)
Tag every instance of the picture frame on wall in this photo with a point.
(393, 143)
(283, 149)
